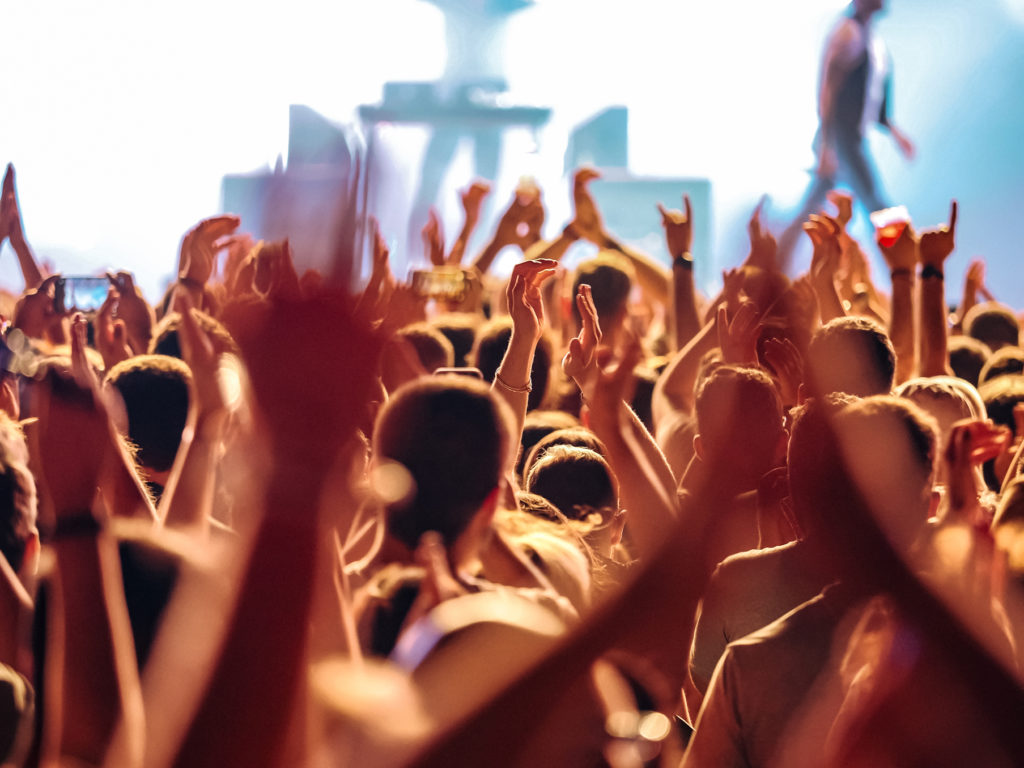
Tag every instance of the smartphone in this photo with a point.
(79, 294)
(444, 283)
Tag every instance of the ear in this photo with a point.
(801, 394)
(485, 515)
(698, 446)
(933, 503)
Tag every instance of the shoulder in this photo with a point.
(742, 564)
(845, 42)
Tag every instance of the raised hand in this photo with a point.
(579, 361)
(472, 198)
(521, 223)
(198, 253)
(787, 364)
(275, 273)
(586, 221)
(136, 313)
(678, 228)
(35, 314)
(433, 239)
(935, 245)
(824, 232)
(737, 338)
(111, 335)
(763, 248)
(901, 255)
(10, 216)
(843, 201)
(198, 352)
(525, 304)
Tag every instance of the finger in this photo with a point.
(687, 207)
(953, 210)
(665, 218)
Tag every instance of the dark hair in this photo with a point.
(1005, 361)
(155, 393)
(165, 335)
(490, 347)
(460, 329)
(432, 347)
(576, 480)
(536, 426)
(610, 282)
(739, 418)
(967, 356)
(992, 323)
(580, 437)
(451, 434)
(851, 355)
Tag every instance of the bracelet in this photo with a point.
(79, 525)
(684, 260)
(929, 270)
(528, 387)
(901, 272)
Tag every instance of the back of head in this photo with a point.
(852, 355)
(452, 436)
(1001, 395)
(165, 335)
(610, 279)
(576, 480)
(432, 347)
(993, 324)
(17, 494)
(739, 419)
(155, 390)
(1008, 360)
(947, 399)
(460, 329)
(536, 426)
(580, 437)
(967, 357)
(879, 450)
(490, 347)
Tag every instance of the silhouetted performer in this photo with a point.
(474, 74)
(854, 92)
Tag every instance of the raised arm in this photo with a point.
(512, 379)
(519, 225)
(935, 247)
(824, 232)
(679, 238)
(12, 228)
(95, 665)
(472, 197)
(902, 259)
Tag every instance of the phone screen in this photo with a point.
(80, 294)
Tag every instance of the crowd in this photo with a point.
(579, 517)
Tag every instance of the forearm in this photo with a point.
(674, 390)
(934, 356)
(512, 379)
(829, 304)
(653, 278)
(27, 261)
(99, 678)
(270, 621)
(487, 256)
(901, 323)
(187, 501)
(550, 249)
(684, 294)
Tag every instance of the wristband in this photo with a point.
(528, 387)
(684, 260)
(901, 272)
(929, 270)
